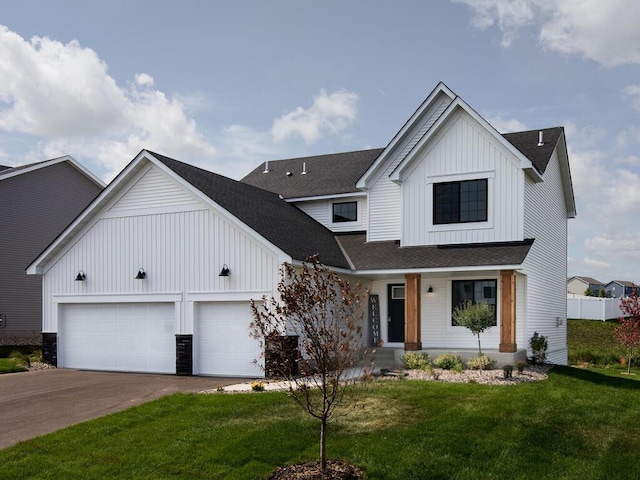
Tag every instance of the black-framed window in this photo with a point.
(460, 202)
(345, 212)
(477, 291)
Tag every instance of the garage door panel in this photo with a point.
(224, 344)
(118, 337)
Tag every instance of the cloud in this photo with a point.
(330, 113)
(595, 263)
(633, 91)
(63, 95)
(603, 31)
(506, 125)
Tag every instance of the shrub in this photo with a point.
(538, 344)
(507, 371)
(416, 361)
(475, 363)
(257, 386)
(520, 365)
(448, 361)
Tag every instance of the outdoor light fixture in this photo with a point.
(225, 271)
(430, 289)
(81, 277)
(141, 274)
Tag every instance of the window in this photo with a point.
(345, 212)
(477, 291)
(460, 202)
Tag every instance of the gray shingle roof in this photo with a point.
(527, 143)
(3, 167)
(326, 174)
(589, 280)
(389, 255)
(281, 223)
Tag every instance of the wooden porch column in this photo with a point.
(508, 311)
(412, 312)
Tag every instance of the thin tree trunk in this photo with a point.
(629, 362)
(323, 445)
(480, 356)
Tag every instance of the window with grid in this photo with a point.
(460, 202)
(345, 212)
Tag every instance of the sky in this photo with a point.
(227, 85)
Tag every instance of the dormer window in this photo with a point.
(460, 202)
(345, 212)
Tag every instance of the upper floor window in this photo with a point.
(460, 202)
(345, 212)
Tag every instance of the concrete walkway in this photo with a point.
(35, 403)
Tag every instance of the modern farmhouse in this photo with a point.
(156, 274)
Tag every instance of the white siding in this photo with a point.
(181, 252)
(385, 196)
(322, 211)
(546, 264)
(463, 150)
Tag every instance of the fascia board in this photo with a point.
(458, 102)
(565, 170)
(440, 88)
(325, 197)
(48, 163)
(401, 271)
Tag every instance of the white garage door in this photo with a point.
(125, 337)
(224, 344)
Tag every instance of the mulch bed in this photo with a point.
(336, 470)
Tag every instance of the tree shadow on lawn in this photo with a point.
(597, 378)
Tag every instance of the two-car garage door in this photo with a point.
(140, 337)
(125, 337)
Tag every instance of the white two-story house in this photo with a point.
(156, 274)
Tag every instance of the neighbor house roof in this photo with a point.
(10, 172)
(281, 223)
(587, 280)
(622, 283)
(3, 167)
(331, 174)
(387, 255)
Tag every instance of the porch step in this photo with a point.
(387, 358)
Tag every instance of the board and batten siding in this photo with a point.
(463, 150)
(385, 196)
(322, 212)
(182, 252)
(545, 219)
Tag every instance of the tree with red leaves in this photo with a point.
(628, 332)
(326, 314)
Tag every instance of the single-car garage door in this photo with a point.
(224, 344)
(125, 337)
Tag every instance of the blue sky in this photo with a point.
(227, 85)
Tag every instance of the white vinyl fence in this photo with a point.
(593, 308)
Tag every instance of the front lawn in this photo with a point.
(592, 342)
(10, 365)
(577, 424)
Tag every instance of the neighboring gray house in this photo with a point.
(37, 201)
(449, 211)
(579, 285)
(619, 288)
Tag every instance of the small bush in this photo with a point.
(520, 365)
(538, 344)
(507, 371)
(448, 361)
(475, 362)
(416, 361)
(257, 386)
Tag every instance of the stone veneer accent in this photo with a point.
(184, 354)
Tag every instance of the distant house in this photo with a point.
(37, 201)
(619, 288)
(156, 274)
(579, 285)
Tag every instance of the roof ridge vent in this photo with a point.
(266, 166)
(540, 138)
(304, 168)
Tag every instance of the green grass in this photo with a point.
(9, 365)
(577, 424)
(592, 342)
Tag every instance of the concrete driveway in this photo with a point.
(35, 403)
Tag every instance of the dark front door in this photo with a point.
(395, 296)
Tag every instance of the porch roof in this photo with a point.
(389, 255)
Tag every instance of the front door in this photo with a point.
(395, 296)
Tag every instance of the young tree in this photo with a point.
(477, 317)
(628, 332)
(326, 313)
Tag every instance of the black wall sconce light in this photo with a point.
(430, 289)
(81, 277)
(141, 274)
(225, 271)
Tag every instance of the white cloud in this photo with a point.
(595, 263)
(63, 95)
(603, 31)
(330, 113)
(506, 125)
(633, 91)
